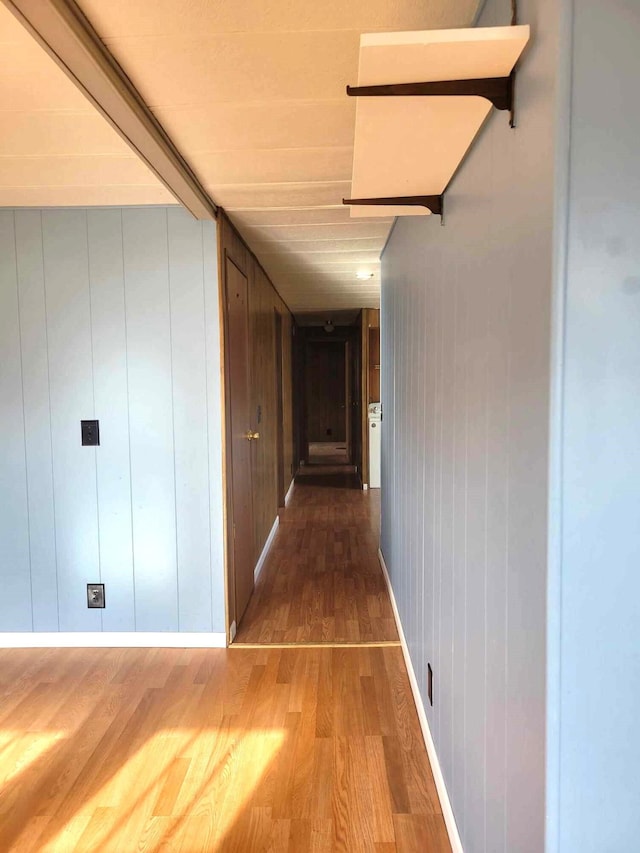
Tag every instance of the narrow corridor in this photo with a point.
(322, 581)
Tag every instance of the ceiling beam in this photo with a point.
(64, 32)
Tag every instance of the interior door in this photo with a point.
(326, 391)
(241, 435)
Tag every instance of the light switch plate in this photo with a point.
(90, 431)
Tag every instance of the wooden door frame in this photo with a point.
(348, 346)
(224, 256)
(279, 380)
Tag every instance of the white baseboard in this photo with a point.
(287, 497)
(112, 639)
(265, 551)
(443, 795)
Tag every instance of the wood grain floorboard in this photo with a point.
(322, 581)
(165, 750)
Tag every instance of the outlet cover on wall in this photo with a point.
(95, 595)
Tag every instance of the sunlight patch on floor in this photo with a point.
(167, 782)
(19, 750)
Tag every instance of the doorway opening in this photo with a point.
(328, 405)
(326, 410)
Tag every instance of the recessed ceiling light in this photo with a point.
(363, 275)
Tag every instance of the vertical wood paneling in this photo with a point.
(263, 301)
(91, 348)
(461, 369)
(108, 325)
(66, 266)
(287, 394)
(445, 702)
(15, 570)
(465, 343)
(595, 579)
(37, 417)
(188, 348)
(498, 296)
(151, 419)
(474, 688)
(264, 399)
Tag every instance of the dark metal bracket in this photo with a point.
(434, 203)
(497, 90)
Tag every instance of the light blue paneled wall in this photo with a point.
(466, 332)
(597, 594)
(110, 314)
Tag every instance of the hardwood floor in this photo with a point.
(247, 749)
(322, 582)
(213, 750)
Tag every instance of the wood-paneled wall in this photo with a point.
(466, 338)
(109, 314)
(264, 303)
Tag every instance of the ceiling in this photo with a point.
(253, 96)
(55, 147)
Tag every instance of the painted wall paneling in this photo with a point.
(15, 565)
(189, 403)
(110, 363)
(599, 496)
(466, 333)
(68, 305)
(37, 419)
(111, 314)
(151, 419)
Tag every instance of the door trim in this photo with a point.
(229, 575)
(279, 379)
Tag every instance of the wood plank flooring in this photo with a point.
(322, 581)
(213, 750)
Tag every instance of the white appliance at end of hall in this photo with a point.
(375, 428)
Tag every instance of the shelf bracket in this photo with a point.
(497, 90)
(433, 203)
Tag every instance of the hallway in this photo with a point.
(322, 581)
(321, 602)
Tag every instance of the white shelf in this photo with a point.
(412, 145)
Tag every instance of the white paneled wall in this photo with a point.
(110, 314)
(466, 337)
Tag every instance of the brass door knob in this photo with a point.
(251, 436)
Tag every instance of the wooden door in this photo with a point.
(239, 401)
(326, 391)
